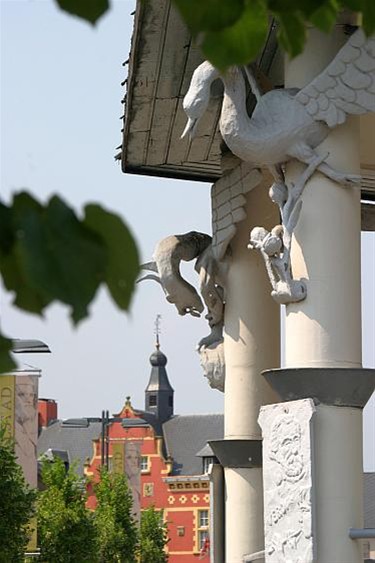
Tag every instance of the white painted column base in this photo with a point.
(244, 507)
(339, 486)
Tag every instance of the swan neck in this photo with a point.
(234, 109)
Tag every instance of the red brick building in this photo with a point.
(172, 476)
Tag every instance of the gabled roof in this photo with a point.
(74, 439)
(186, 435)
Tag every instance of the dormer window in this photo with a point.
(207, 461)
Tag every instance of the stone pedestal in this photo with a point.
(288, 481)
(339, 396)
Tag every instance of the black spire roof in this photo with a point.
(158, 378)
(159, 392)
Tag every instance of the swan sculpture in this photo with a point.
(289, 123)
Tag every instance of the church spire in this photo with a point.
(159, 392)
(157, 330)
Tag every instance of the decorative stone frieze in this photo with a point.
(288, 475)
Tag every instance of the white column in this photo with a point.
(251, 340)
(325, 329)
(338, 483)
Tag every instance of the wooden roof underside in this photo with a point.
(162, 60)
(161, 64)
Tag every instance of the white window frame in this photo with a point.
(207, 461)
(203, 527)
(142, 460)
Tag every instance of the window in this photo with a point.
(152, 401)
(207, 461)
(170, 401)
(148, 489)
(202, 540)
(203, 531)
(144, 463)
(203, 519)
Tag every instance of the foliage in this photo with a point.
(66, 529)
(228, 38)
(16, 503)
(49, 254)
(153, 537)
(116, 527)
(234, 32)
(89, 10)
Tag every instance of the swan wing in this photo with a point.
(228, 205)
(346, 86)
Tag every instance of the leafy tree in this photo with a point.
(153, 537)
(116, 527)
(66, 529)
(16, 504)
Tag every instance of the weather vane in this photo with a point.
(157, 330)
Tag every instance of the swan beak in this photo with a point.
(190, 128)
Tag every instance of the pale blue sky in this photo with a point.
(60, 110)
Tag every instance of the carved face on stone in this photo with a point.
(285, 447)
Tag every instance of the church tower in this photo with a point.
(159, 392)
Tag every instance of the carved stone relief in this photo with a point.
(165, 270)
(288, 474)
(275, 246)
(228, 202)
(286, 124)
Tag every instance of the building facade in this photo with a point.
(156, 449)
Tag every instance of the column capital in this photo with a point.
(339, 387)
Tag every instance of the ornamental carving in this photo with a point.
(165, 269)
(288, 474)
(286, 124)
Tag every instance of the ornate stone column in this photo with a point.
(323, 331)
(251, 343)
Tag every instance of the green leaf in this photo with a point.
(58, 256)
(368, 10)
(209, 15)
(354, 5)
(123, 261)
(7, 363)
(26, 297)
(305, 7)
(6, 229)
(241, 42)
(292, 33)
(47, 254)
(88, 10)
(324, 18)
